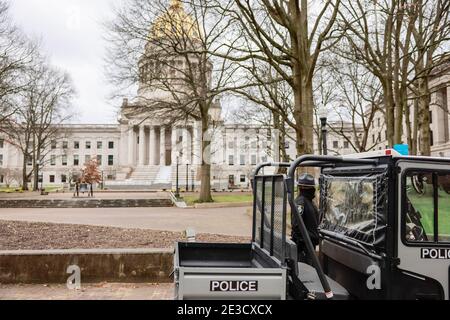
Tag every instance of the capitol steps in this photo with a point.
(145, 178)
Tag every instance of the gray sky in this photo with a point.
(71, 32)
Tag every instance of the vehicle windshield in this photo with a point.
(353, 206)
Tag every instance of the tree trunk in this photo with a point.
(24, 174)
(390, 112)
(205, 188)
(424, 118)
(415, 129)
(308, 117)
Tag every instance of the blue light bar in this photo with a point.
(403, 149)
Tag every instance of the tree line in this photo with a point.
(35, 99)
(284, 59)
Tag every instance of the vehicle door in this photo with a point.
(423, 230)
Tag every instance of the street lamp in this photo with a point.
(177, 193)
(193, 184)
(323, 115)
(187, 176)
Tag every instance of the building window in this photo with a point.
(231, 160)
(64, 160)
(53, 160)
(110, 160)
(231, 145)
(243, 178)
(76, 160)
(431, 117)
(2, 142)
(335, 144)
(242, 160)
(254, 144)
(379, 122)
(264, 159)
(53, 144)
(87, 159)
(99, 145)
(110, 177)
(346, 144)
(29, 160)
(63, 178)
(2, 179)
(52, 179)
(1, 160)
(431, 138)
(88, 145)
(254, 160)
(65, 144)
(111, 145)
(99, 160)
(76, 145)
(373, 138)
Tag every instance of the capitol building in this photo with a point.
(145, 150)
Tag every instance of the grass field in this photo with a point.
(19, 190)
(424, 204)
(223, 198)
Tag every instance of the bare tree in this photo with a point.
(41, 109)
(16, 55)
(430, 25)
(179, 64)
(357, 99)
(289, 37)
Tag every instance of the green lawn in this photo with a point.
(424, 204)
(19, 190)
(223, 198)
(10, 190)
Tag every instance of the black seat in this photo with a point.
(310, 279)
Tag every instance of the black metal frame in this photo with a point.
(289, 196)
(261, 207)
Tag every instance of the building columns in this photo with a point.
(141, 145)
(131, 143)
(174, 145)
(152, 149)
(162, 146)
(185, 149)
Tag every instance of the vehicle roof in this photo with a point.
(393, 154)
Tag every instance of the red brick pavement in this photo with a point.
(103, 291)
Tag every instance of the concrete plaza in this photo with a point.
(221, 221)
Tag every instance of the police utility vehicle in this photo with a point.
(384, 226)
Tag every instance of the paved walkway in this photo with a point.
(88, 292)
(223, 221)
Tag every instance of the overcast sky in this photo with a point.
(71, 32)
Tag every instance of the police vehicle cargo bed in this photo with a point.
(226, 271)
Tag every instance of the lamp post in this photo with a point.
(192, 179)
(323, 114)
(177, 193)
(187, 177)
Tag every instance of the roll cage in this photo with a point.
(264, 223)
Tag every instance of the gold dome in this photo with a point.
(174, 22)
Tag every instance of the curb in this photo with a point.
(116, 265)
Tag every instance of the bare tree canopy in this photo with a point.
(174, 53)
